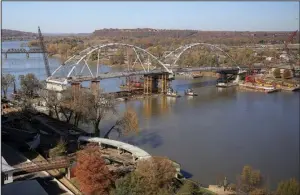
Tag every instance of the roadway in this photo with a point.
(101, 76)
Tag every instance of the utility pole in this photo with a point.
(45, 55)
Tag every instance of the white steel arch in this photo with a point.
(84, 55)
(184, 48)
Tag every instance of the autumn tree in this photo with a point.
(99, 106)
(30, 85)
(93, 175)
(156, 173)
(7, 81)
(125, 124)
(52, 49)
(63, 49)
(290, 187)
(130, 56)
(286, 74)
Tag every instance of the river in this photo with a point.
(213, 134)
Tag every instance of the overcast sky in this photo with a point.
(85, 17)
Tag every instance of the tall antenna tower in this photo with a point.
(45, 55)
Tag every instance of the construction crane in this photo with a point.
(290, 40)
(45, 55)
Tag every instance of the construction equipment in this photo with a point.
(45, 55)
(290, 40)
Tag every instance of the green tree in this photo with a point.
(255, 178)
(276, 73)
(250, 179)
(30, 85)
(7, 81)
(118, 58)
(59, 149)
(130, 184)
(289, 187)
(259, 192)
(188, 188)
(157, 173)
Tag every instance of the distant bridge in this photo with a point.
(21, 51)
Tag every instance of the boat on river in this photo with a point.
(196, 75)
(172, 93)
(190, 92)
(225, 83)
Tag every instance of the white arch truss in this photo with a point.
(84, 56)
(184, 48)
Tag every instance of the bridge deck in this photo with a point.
(80, 78)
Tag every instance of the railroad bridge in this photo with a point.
(21, 51)
(157, 72)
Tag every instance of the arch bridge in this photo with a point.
(77, 68)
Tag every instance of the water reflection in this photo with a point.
(156, 106)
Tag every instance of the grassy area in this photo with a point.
(206, 192)
(191, 187)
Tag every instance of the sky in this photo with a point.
(85, 17)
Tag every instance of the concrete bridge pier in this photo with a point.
(95, 86)
(150, 84)
(164, 83)
(75, 90)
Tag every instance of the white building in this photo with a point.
(269, 58)
(7, 172)
(284, 56)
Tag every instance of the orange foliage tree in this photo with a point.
(92, 174)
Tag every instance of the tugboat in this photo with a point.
(172, 93)
(190, 92)
(196, 75)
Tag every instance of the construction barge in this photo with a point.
(253, 87)
(268, 85)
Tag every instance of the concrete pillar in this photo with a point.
(146, 85)
(163, 82)
(150, 84)
(75, 90)
(94, 86)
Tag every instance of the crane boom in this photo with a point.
(290, 40)
(45, 56)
